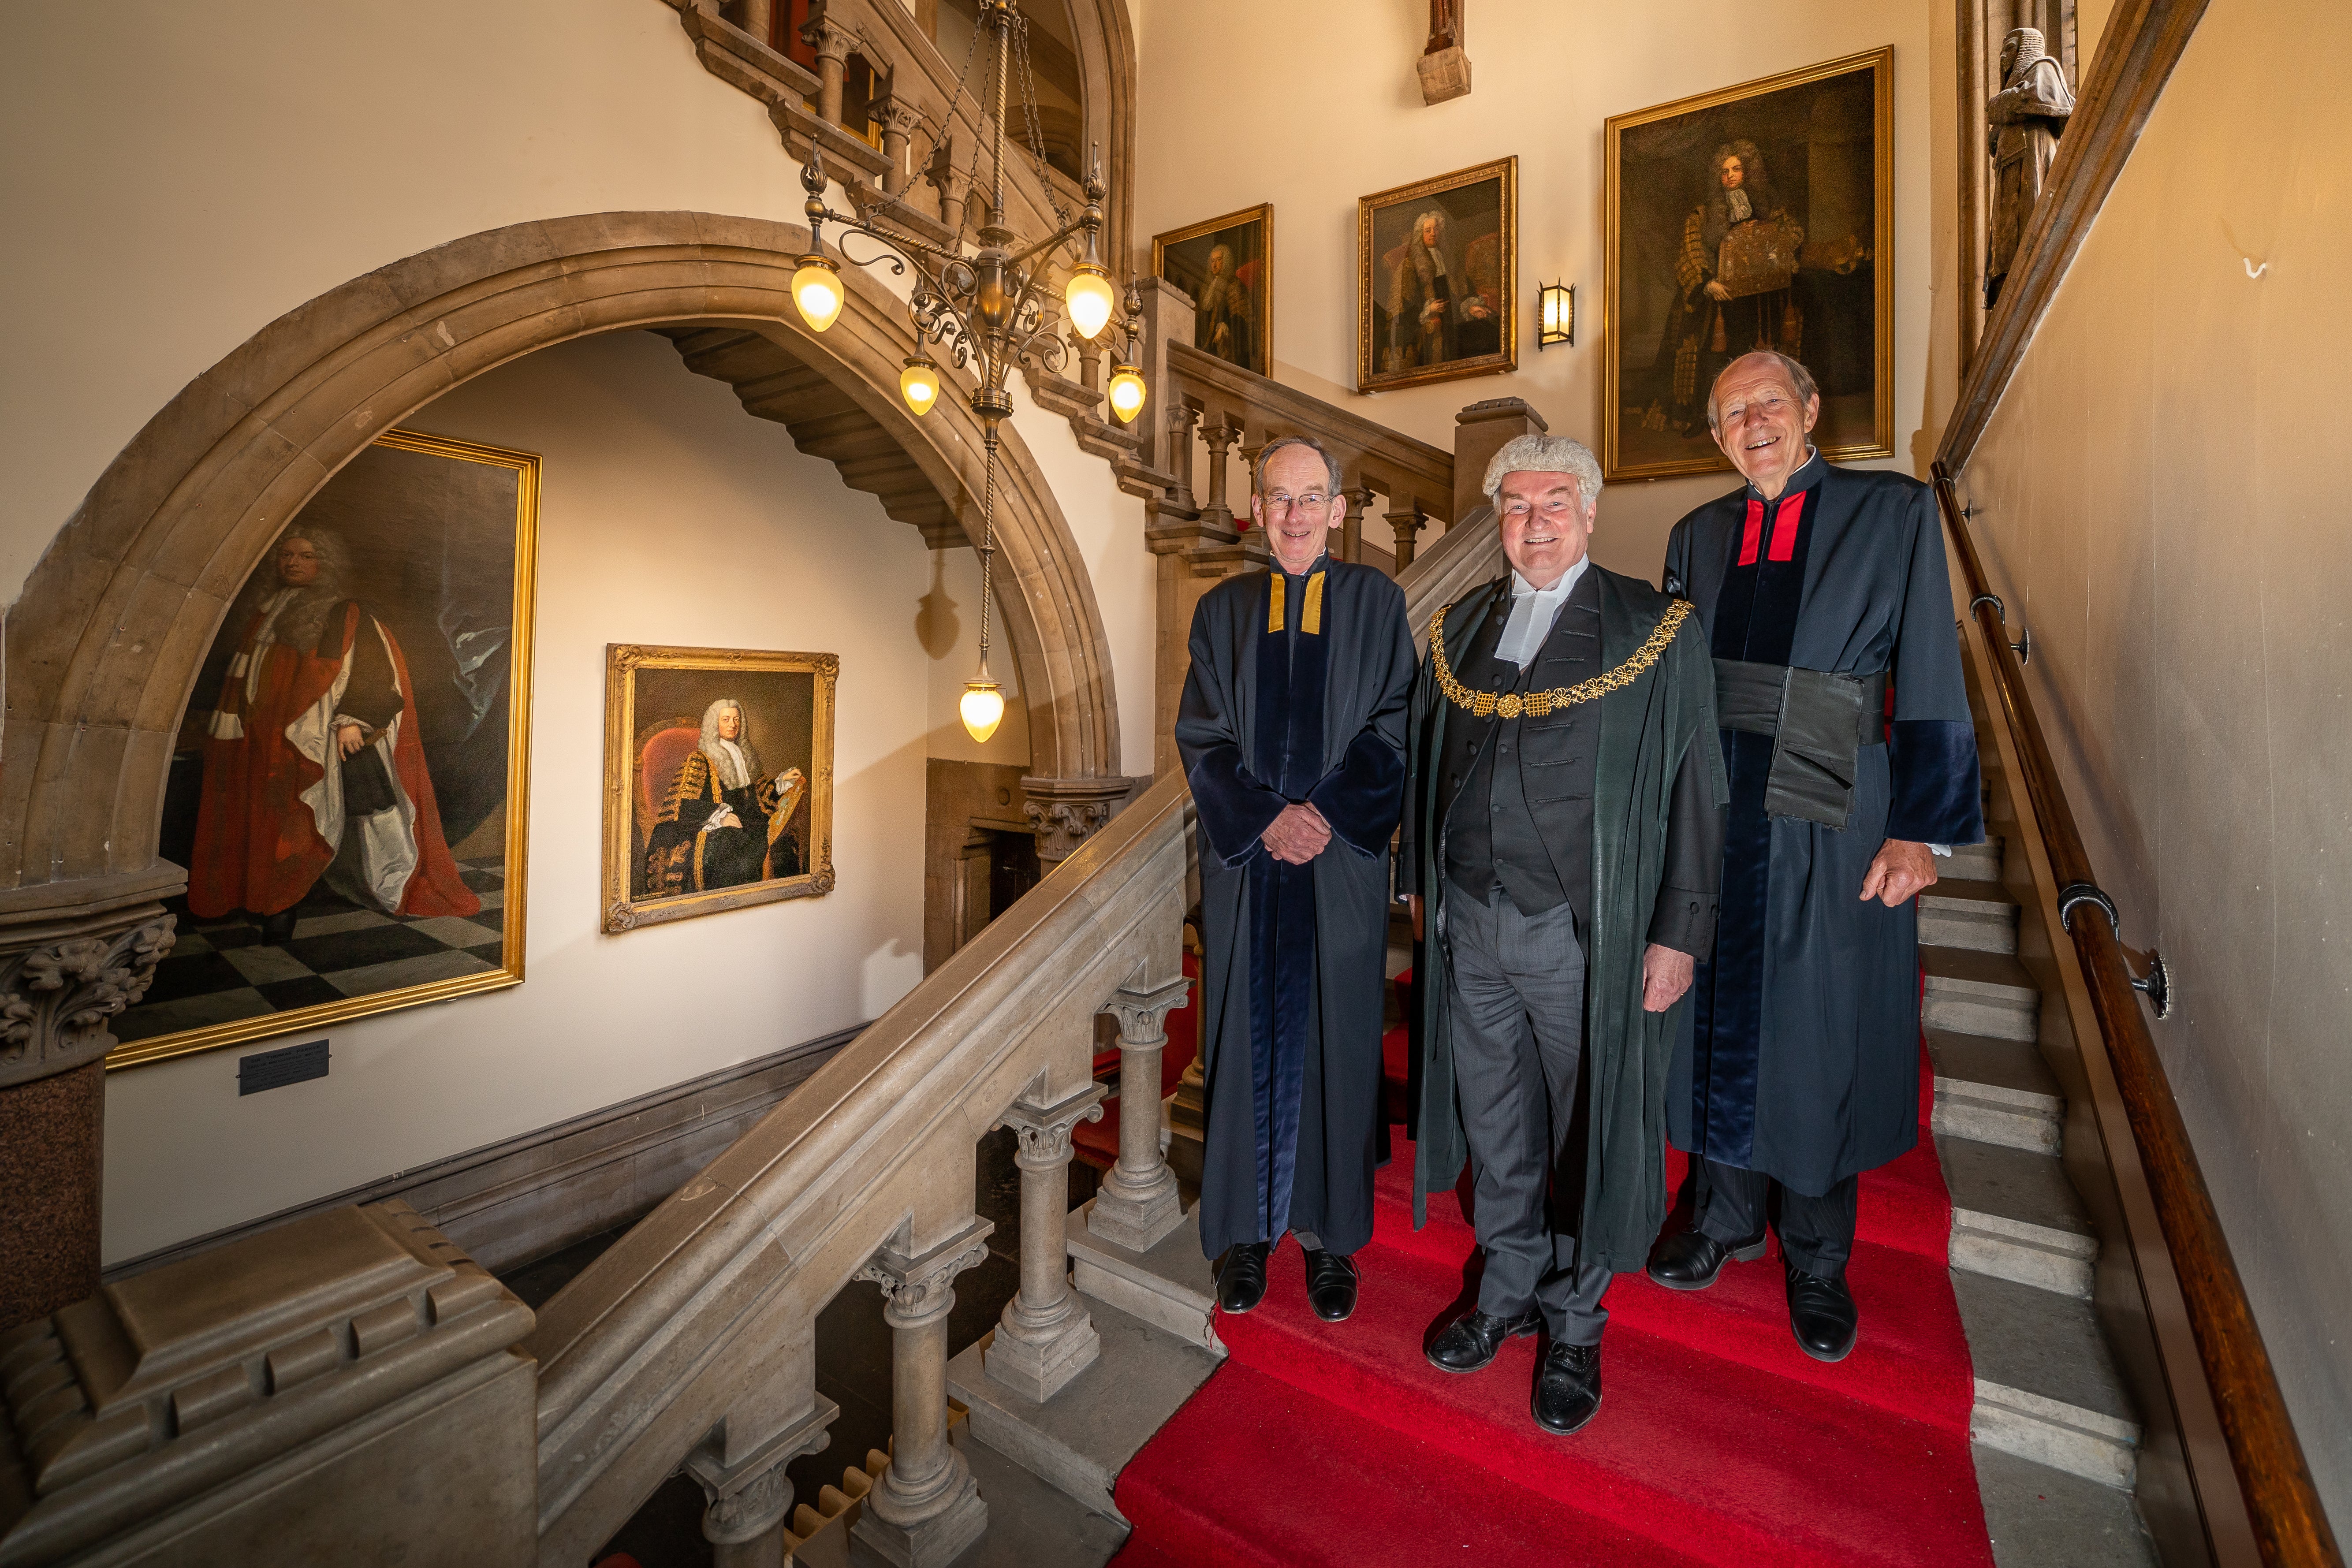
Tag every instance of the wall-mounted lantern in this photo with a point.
(1555, 315)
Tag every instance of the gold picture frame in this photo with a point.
(1478, 236)
(1665, 164)
(382, 506)
(656, 697)
(1185, 258)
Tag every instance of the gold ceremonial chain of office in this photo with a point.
(1536, 704)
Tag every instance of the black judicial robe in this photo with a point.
(1799, 1056)
(1304, 705)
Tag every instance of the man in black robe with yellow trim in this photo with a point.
(1292, 736)
(1854, 764)
(1564, 824)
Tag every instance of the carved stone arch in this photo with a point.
(104, 644)
(1106, 41)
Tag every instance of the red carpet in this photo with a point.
(1719, 1441)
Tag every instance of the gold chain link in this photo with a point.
(1537, 704)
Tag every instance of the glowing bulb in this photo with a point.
(816, 290)
(1090, 300)
(1126, 391)
(919, 383)
(982, 707)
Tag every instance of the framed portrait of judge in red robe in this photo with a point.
(349, 789)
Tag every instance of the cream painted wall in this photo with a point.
(2160, 492)
(1321, 105)
(181, 176)
(667, 515)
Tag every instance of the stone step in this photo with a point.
(1078, 1441)
(1170, 1287)
(2044, 1517)
(1031, 1524)
(2015, 1216)
(1960, 912)
(1996, 1092)
(1972, 993)
(2046, 1388)
(1973, 862)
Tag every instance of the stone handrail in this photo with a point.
(692, 1337)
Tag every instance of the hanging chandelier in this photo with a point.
(988, 311)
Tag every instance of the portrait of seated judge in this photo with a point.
(1436, 277)
(719, 780)
(340, 790)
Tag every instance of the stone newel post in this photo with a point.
(1045, 1338)
(1138, 1204)
(926, 1509)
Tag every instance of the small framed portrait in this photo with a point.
(350, 788)
(1437, 278)
(1759, 216)
(1226, 265)
(718, 780)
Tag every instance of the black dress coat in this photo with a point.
(1799, 1056)
(1295, 957)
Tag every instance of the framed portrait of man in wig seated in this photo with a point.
(718, 780)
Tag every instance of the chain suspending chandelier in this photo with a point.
(988, 310)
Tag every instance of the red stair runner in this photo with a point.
(1719, 1441)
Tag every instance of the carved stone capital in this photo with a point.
(1066, 813)
(1045, 1129)
(921, 1287)
(896, 116)
(830, 39)
(63, 980)
(1144, 1010)
(751, 1511)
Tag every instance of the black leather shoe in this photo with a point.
(1241, 1276)
(1471, 1343)
(1690, 1259)
(1568, 1388)
(1331, 1285)
(1822, 1314)
(278, 928)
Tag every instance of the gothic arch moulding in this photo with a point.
(104, 644)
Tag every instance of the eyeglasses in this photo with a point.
(1314, 503)
(1772, 403)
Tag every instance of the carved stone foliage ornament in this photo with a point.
(921, 1288)
(57, 998)
(1066, 813)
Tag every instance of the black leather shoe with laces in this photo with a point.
(1468, 1344)
(1822, 1314)
(1331, 1285)
(1568, 1387)
(1241, 1276)
(1690, 1261)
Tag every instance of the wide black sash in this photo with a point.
(1819, 721)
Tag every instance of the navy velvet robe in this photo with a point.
(1799, 1056)
(1294, 956)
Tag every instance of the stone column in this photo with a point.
(926, 1509)
(1188, 1123)
(898, 119)
(1091, 358)
(749, 1495)
(1137, 1205)
(745, 1528)
(1045, 1338)
(759, 19)
(1407, 523)
(1065, 813)
(1181, 417)
(834, 43)
(69, 965)
(1351, 529)
(1480, 431)
(1220, 438)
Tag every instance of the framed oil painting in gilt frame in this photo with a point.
(1437, 269)
(718, 780)
(1759, 216)
(1226, 265)
(349, 786)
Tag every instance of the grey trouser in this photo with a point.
(1816, 1234)
(1516, 1012)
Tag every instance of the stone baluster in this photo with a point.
(1181, 417)
(1045, 1338)
(900, 120)
(745, 1526)
(1359, 501)
(1138, 1204)
(1407, 524)
(759, 19)
(1091, 358)
(953, 183)
(778, 1416)
(926, 1509)
(1220, 438)
(1188, 1123)
(833, 44)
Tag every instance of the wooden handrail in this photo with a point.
(2290, 1524)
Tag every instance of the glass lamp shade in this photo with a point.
(1090, 300)
(817, 290)
(919, 383)
(1556, 317)
(982, 706)
(1126, 391)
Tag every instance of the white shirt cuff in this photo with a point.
(1943, 849)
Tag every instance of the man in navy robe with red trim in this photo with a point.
(1292, 735)
(1852, 764)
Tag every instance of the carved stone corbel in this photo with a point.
(1066, 813)
(64, 980)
